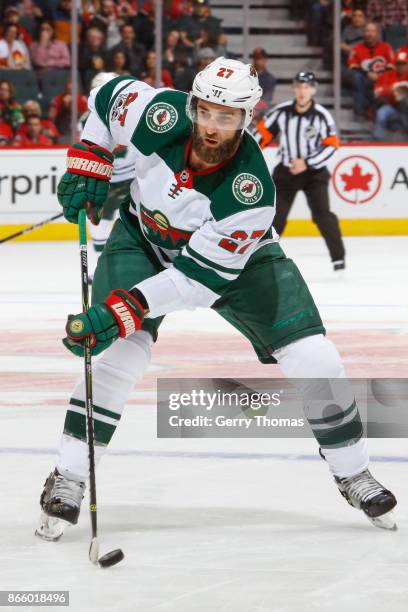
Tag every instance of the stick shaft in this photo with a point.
(31, 228)
(88, 374)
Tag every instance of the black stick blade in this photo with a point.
(111, 558)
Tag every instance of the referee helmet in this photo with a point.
(306, 77)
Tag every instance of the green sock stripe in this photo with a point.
(99, 247)
(334, 417)
(341, 436)
(97, 409)
(75, 425)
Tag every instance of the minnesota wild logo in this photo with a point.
(156, 227)
(247, 188)
(161, 117)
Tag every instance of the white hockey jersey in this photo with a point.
(203, 226)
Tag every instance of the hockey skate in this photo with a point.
(60, 506)
(365, 493)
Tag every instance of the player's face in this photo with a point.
(217, 131)
(303, 93)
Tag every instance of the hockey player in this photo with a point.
(196, 231)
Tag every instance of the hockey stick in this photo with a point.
(114, 556)
(31, 228)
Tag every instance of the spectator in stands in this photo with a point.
(31, 108)
(6, 134)
(13, 52)
(106, 19)
(319, 19)
(201, 20)
(171, 47)
(59, 111)
(368, 60)
(46, 51)
(266, 79)
(387, 12)
(143, 25)
(134, 50)
(220, 47)
(149, 72)
(203, 40)
(118, 62)
(346, 12)
(126, 9)
(10, 110)
(204, 57)
(33, 135)
(92, 55)
(391, 89)
(182, 73)
(352, 34)
(12, 15)
(36, 9)
(31, 12)
(61, 16)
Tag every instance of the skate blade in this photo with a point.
(50, 528)
(386, 521)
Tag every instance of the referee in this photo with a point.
(307, 140)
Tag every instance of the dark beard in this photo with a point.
(216, 155)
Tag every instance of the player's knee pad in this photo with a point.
(126, 359)
(311, 357)
(315, 369)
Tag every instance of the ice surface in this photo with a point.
(206, 525)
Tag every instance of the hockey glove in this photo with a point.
(86, 182)
(118, 317)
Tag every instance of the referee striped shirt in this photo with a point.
(310, 135)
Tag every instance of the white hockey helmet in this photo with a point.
(101, 78)
(226, 82)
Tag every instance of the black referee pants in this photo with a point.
(315, 185)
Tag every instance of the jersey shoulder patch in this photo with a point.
(247, 182)
(163, 122)
(105, 99)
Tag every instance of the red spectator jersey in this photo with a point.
(57, 104)
(385, 84)
(6, 133)
(22, 140)
(49, 129)
(372, 59)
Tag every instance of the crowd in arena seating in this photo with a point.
(374, 57)
(114, 35)
(118, 36)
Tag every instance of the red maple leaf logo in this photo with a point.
(247, 188)
(162, 117)
(356, 180)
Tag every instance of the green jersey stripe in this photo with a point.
(210, 263)
(208, 278)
